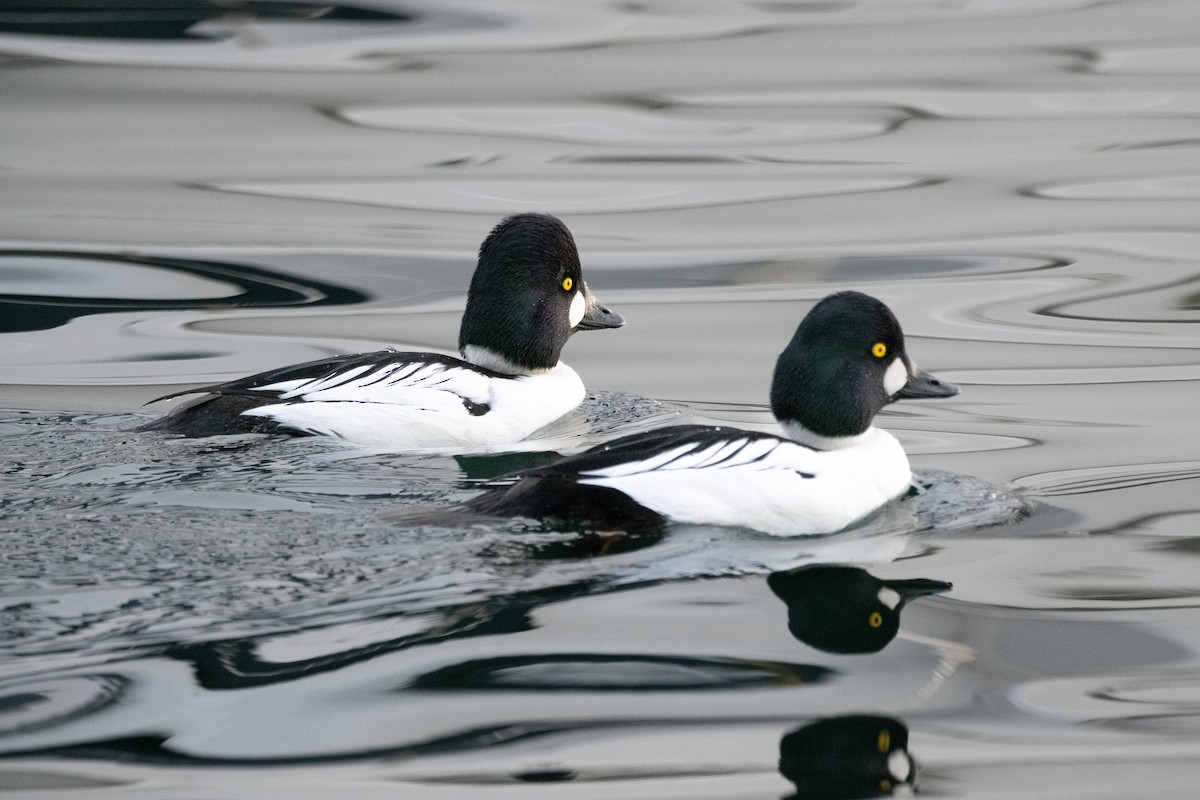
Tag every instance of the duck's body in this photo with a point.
(846, 361)
(713, 476)
(396, 400)
(527, 297)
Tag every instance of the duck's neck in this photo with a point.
(798, 433)
(487, 358)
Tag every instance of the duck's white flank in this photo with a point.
(422, 405)
(773, 485)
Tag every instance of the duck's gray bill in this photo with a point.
(598, 317)
(922, 384)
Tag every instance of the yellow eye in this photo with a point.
(885, 786)
(875, 620)
(568, 284)
(884, 742)
(879, 350)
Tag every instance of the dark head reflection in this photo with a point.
(854, 756)
(846, 609)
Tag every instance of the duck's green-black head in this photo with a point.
(845, 362)
(527, 297)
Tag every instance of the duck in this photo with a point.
(828, 468)
(526, 298)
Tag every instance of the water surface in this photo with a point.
(196, 195)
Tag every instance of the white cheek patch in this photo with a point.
(895, 377)
(889, 597)
(578, 309)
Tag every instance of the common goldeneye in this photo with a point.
(846, 362)
(527, 297)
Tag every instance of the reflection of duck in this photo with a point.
(846, 609)
(845, 363)
(526, 299)
(854, 756)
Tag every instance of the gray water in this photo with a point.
(192, 194)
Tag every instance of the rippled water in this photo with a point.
(197, 191)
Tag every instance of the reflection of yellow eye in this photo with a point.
(875, 620)
(884, 742)
(567, 284)
(879, 350)
(885, 786)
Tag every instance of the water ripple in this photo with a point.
(612, 126)
(56, 701)
(1104, 479)
(1141, 188)
(381, 36)
(988, 103)
(580, 195)
(42, 289)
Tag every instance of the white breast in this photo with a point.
(425, 410)
(765, 487)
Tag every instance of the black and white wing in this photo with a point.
(678, 448)
(384, 376)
